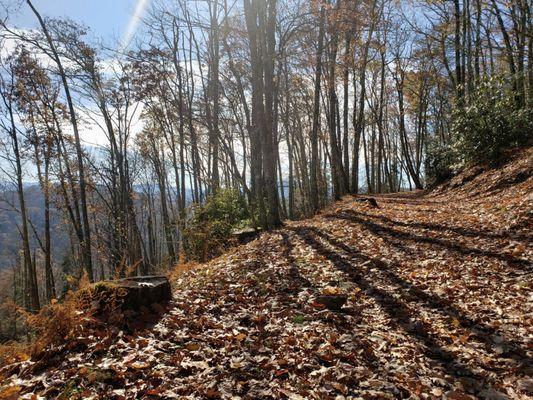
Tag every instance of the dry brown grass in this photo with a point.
(89, 307)
(12, 352)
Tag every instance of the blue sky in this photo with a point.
(107, 19)
(114, 21)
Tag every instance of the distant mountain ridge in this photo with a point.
(10, 240)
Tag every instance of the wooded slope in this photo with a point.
(439, 304)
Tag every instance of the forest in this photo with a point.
(215, 118)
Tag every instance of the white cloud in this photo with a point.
(134, 22)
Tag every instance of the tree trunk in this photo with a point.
(86, 243)
(316, 111)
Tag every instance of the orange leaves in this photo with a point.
(13, 353)
(140, 365)
(462, 339)
(331, 291)
(240, 337)
(457, 395)
(518, 250)
(318, 306)
(212, 394)
(10, 392)
(280, 373)
(153, 392)
(192, 346)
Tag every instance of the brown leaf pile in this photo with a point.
(438, 291)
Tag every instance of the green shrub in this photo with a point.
(440, 163)
(209, 229)
(490, 123)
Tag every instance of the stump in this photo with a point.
(245, 235)
(332, 302)
(370, 200)
(140, 291)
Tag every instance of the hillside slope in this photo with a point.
(439, 306)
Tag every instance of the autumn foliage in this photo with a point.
(84, 310)
(421, 312)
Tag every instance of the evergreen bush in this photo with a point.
(209, 229)
(490, 124)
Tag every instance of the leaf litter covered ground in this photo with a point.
(439, 306)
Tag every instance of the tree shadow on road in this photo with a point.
(441, 228)
(397, 238)
(394, 304)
